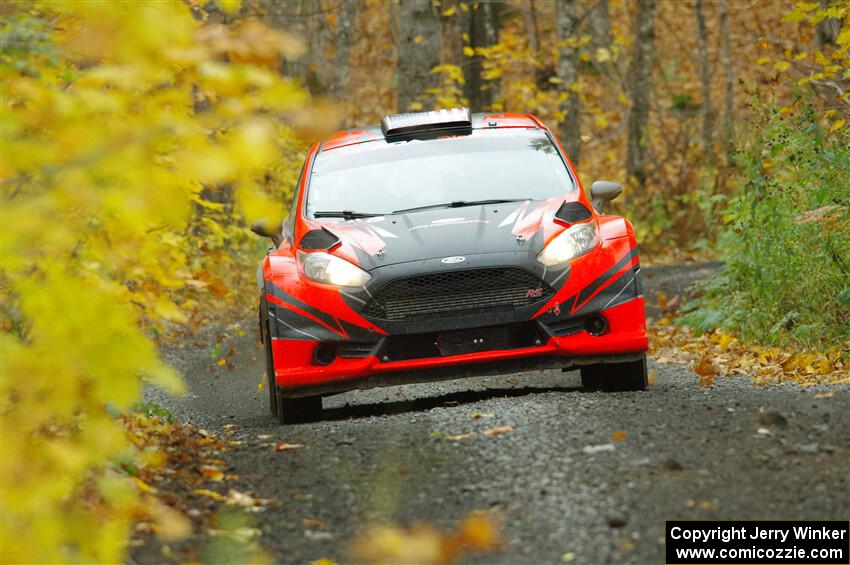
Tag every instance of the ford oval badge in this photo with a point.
(450, 260)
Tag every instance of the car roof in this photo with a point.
(479, 120)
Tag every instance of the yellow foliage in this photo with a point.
(116, 128)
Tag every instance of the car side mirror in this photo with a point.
(263, 229)
(603, 191)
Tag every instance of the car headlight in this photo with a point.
(329, 269)
(569, 244)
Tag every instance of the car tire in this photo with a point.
(298, 410)
(287, 410)
(591, 377)
(616, 377)
(265, 337)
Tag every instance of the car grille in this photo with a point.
(439, 295)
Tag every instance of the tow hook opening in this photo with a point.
(324, 354)
(596, 325)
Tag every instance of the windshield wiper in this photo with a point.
(344, 214)
(460, 204)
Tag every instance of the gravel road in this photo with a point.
(564, 489)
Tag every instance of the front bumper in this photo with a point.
(297, 373)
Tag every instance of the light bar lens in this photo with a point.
(399, 124)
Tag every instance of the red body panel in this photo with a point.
(293, 367)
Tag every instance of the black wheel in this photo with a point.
(265, 337)
(287, 410)
(297, 410)
(612, 377)
(591, 377)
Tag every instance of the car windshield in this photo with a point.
(494, 164)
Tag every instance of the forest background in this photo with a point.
(140, 139)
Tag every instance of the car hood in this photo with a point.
(521, 227)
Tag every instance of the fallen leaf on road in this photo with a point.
(281, 446)
(171, 525)
(313, 523)
(459, 437)
(671, 465)
(626, 544)
(618, 436)
(829, 394)
(497, 431)
(425, 544)
(591, 449)
(706, 371)
(210, 493)
(143, 486)
(236, 498)
(772, 418)
(568, 556)
(477, 415)
(212, 473)
(718, 353)
(264, 436)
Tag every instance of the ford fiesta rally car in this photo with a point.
(442, 245)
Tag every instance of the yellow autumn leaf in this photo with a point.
(838, 124)
(762, 60)
(781, 66)
(208, 493)
(498, 430)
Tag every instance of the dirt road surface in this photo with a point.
(565, 490)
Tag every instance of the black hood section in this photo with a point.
(445, 232)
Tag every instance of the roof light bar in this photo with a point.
(407, 125)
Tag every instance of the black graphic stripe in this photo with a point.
(588, 291)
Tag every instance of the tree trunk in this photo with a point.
(305, 19)
(705, 79)
(600, 26)
(419, 46)
(828, 28)
(481, 34)
(531, 26)
(640, 89)
(729, 113)
(566, 22)
(345, 20)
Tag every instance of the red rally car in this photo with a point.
(443, 245)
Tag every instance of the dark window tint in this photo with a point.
(379, 177)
